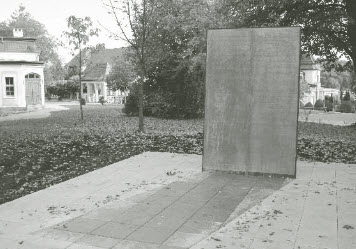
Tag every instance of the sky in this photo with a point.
(53, 14)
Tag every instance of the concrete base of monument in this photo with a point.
(247, 173)
(163, 200)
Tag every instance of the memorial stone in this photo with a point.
(251, 109)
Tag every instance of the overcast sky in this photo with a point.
(53, 14)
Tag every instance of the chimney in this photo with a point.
(18, 32)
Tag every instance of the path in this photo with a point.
(34, 114)
(162, 200)
(333, 118)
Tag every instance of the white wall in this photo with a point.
(312, 77)
(18, 72)
(7, 56)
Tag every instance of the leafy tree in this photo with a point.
(180, 67)
(79, 32)
(176, 48)
(328, 26)
(121, 75)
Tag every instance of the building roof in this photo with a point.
(307, 62)
(22, 62)
(95, 73)
(98, 62)
(28, 39)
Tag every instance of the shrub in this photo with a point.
(101, 100)
(329, 106)
(82, 101)
(329, 99)
(131, 105)
(319, 104)
(308, 104)
(59, 98)
(347, 107)
(347, 96)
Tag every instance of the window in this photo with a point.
(10, 87)
(32, 76)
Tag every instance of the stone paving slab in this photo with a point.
(115, 230)
(314, 211)
(80, 225)
(179, 214)
(302, 215)
(98, 241)
(100, 188)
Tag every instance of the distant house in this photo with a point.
(21, 72)
(96, 68)
(310, 72)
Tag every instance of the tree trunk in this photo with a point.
(140, 102)
(80, 84)
(351, 29)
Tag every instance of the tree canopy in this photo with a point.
(328, 26)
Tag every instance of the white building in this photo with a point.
(21, 72)
(96, 68)
(310, 72)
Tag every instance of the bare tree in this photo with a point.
(78, 34)
(135, 22)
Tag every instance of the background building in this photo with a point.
(21, 72)
(310, 73)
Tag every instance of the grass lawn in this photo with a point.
(38, 153)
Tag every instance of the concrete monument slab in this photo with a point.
(251, 110)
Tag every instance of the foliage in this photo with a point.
(140, 16)
(347, 96)
(82, 101)
(308, 105)
(347, 107)
(64, 89)
(334, 79)
(329, 99)
(131, 105)
(329, 105)
(327, 143)
(328, 26)
(101, 100)
(121, 75)
(175, 76)
(319, 104)
(32, 159)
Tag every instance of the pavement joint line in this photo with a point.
(224, 185)
(149, 219)
(167, 207)
(305, 199)
(337, 210)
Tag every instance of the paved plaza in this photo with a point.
(162, 200)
